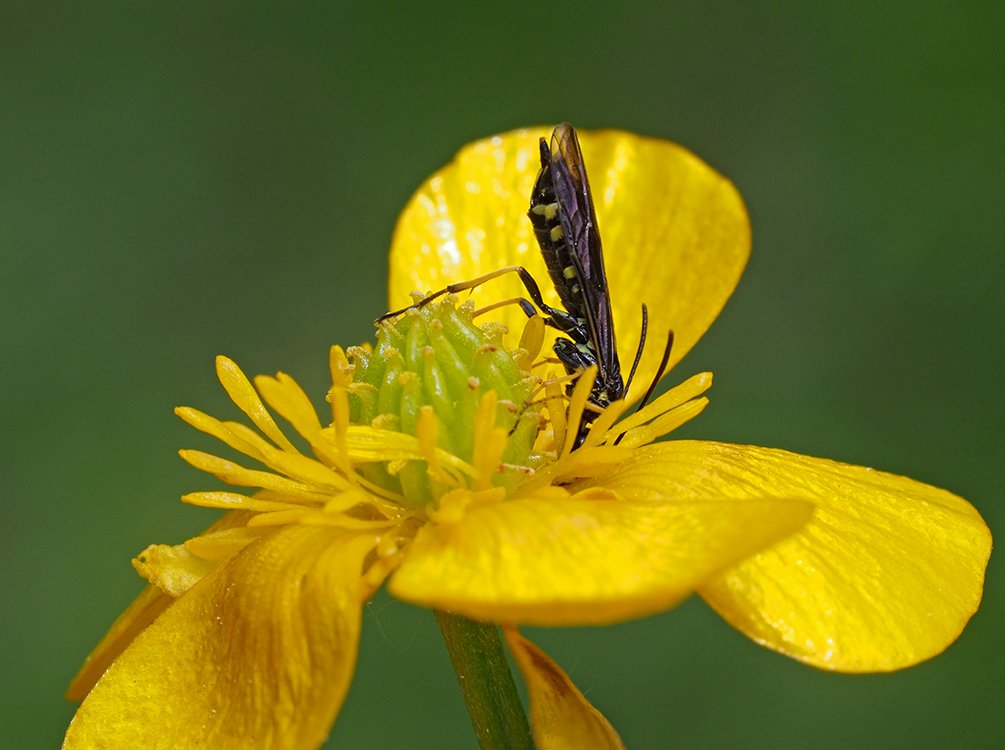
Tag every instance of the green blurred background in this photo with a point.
(188, 179)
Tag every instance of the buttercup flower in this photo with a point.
(448, 471)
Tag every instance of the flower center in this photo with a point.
(438, 376)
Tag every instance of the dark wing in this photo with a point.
(556, 245)
(579, 223)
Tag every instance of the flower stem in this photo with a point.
(490, 694)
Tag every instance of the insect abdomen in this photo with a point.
(556, 247)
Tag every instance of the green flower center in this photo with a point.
(434, 364)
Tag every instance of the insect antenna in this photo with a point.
(659, 371)
(656, 378)
(638, 352)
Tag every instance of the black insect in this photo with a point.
(565, 223)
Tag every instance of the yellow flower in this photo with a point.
(436, 476)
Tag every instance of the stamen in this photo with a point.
(243, 394)
(427, 431)
(453, 505)
(220, 545)
(450, 507)
(387, 546)
(298, 466)
(438, 407)
(664, 423)
(693, 386)
(369, 445)
(555, 400)
(387, 557)
(231, 501)
(237, 475)
(324, 449)
(600, 426)
(287, 398)
(342, 371)
(313, 518)
(351, 499)
(577, 405)
(215, 428)
(489, 442)
(527, 471)
(247, 441)
(588, 462)
(531, 341)
(389, 422)
(262, 447)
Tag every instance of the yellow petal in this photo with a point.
(675, 234)
(583, 560)
(144, 609)
(259, 653)
(561, 716)
(171, 568)
(220, 546)
(886, 574)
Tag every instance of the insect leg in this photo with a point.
(556, 318)
(461, 286)
(525, 305)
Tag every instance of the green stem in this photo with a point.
(490, 694)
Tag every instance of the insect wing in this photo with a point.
(556, 248)
(579, 223)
